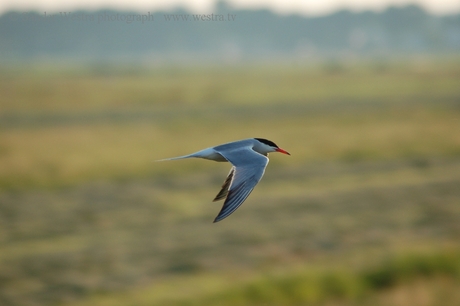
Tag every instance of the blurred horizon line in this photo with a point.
(214, 5)
(230, 36)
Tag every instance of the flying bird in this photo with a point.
(249, 160)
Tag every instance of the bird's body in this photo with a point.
(249, 159)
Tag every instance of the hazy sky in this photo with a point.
(311, 7)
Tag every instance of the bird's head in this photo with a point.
(264, 146)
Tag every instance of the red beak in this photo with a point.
(282, 151)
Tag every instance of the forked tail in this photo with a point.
(174, 158)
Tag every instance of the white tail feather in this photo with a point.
(174, 158)
(208, 153)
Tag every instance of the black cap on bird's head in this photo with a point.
(267, 142)
(272, 144)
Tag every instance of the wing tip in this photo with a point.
(218, 218)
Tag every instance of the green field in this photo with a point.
(366, 211)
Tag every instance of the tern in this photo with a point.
(249, 158)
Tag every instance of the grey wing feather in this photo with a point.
(249, 167)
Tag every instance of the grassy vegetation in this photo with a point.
(365, 211)
(327, 285)
(436, 274)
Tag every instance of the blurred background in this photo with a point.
(365, 96)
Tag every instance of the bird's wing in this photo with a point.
(224, 190)
(248, 168)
